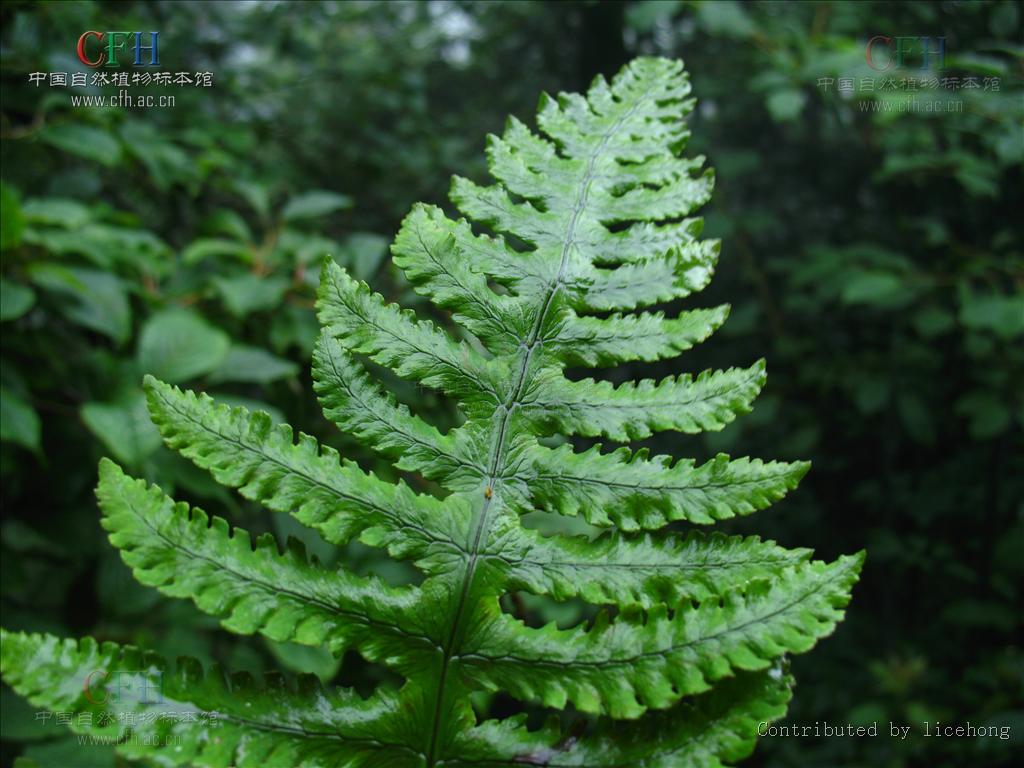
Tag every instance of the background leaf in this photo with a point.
(19, 422)
(178, 345)
(253, 364)
(316, 203)
(124, 427)
(249, 293)
(15, 300)
(94, 299)
(89, 142)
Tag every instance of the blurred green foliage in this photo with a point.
(879, 254)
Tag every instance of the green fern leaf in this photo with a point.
(620, 338)
(717, 729)
(588, 226)
(635, 410)
(184, 553)
(180, 715)
(634, 492)
(642, 570)
(247, 451)
(652, 658)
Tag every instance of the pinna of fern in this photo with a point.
(684, 657)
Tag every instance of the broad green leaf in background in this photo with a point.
(254, 193)
(94, 299)
(118, 591)
(106, 246)
(248, 293)
(57, 211)
(726, 18)
(15, 299)
(786, 104)
(316, 203)
(978, 176)
(308, 250)
(83, 140)
(123, 426)
(19, 422)
(181, 345)
(293, 327)
(252, 364)
(21, 538)
(875, 287)
(988, 415)
(230, 224)
(644, 15)
(362, 253)
(205, 248)
(1002, 315)
(166, 162)
(254, 406)
(933, 321)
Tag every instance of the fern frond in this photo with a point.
(427, 251)
(184, 553)
(586, 216)
(644, 242)
(621, 338)
(360, 406)
(635, 492)
(184, 716)
(414, 349)
(644, 570)
(249, 452)
(635, 410)
(717, 729)
(673, 274)
(493, 257)
(650, 659)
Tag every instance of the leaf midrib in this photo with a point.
(496, 470)
(705, 487)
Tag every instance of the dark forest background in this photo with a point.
(874, 256)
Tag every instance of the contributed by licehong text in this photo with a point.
(902, 731)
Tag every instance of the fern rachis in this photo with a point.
(600, 203)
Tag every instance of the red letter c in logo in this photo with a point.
(87, 685)
(81, 50)
(867, 52)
